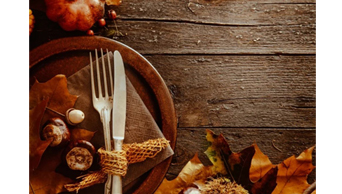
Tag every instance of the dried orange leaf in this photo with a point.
(260, 165)
(56, 90)
(293, 173)
(193, 171)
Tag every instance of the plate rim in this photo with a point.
(166, 105)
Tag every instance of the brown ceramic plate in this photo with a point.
(68, 55)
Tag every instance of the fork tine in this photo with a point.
(110, 75)
(104, 75)
(98, 75)
(92, 78)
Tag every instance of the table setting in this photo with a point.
(171, 97)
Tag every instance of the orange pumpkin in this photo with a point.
(75, 14)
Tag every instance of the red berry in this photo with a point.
(111, 14)
(102, 22)
(90, 32)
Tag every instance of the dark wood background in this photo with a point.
(242, 68)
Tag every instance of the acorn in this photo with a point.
(79, 155)
(56, 129)
(74, 116)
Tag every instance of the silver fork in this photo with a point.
(104, 103)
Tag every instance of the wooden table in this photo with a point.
(242, 68)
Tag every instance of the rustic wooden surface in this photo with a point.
(242, 68)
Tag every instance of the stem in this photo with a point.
(310, 189)
(60, 114)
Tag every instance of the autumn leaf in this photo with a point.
(45, 179)
(238, 165)
(293, 173)
(193, 171)
(56, 90)
(267, 183)
(249, 168)
(54, 94)
(37, 146)
(218, 147)
(260, 165)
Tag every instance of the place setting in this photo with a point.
(170, 97)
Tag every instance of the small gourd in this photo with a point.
(75, 14)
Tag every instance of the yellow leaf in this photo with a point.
(217, 142)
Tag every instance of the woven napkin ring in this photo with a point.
(113, 162)
(116, 162)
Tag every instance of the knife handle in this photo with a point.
(116, 179)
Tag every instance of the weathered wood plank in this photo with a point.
(289, 141)
(240, 91)
(153, 37)
(159, 37)
(221, 12)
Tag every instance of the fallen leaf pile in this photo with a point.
(248, 171)
(45, 160)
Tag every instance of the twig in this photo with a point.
(226, 165)
(275, 147)
(60, 114)
(310, 189)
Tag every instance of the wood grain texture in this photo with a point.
(155, 37)
(240, 91)
(221, 12)
(289, 141)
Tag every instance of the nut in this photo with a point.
(74, 116)
(56, 129)
(79, 155)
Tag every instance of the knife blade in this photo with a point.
(119, 113)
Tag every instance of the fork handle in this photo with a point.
(116, 179)
(105, 118)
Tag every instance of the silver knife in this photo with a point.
(119, 113)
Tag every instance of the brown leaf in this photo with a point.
(267, 183)
(56, 90)
(55, 95)
(238, 165)
(193, 171)
(37, 146)
(293, 172)
(45, 179)
(260, 165)
(81, 134)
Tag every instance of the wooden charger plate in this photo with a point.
(68, 55)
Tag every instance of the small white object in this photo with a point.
(74, 116)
